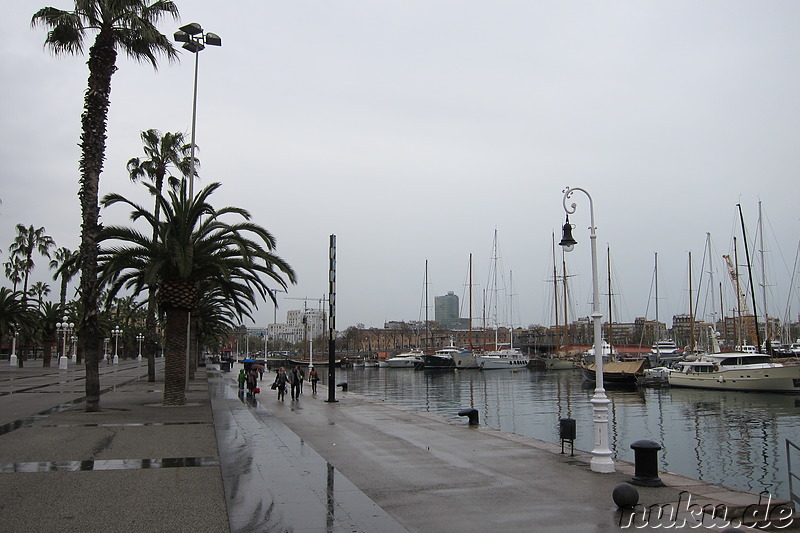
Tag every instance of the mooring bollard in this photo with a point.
(470, 413)
(646, 463)
(343, 385)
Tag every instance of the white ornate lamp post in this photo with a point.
(74, 351)
(602, 460)
(116, 333)
(105, 348)
(139, 338)
(13, 361)
(64, 329)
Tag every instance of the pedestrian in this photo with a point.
(280, 383)
(241, 379)
(260, 372)
(302, 378)
(313, 376)
(252, 381)
(294, 381)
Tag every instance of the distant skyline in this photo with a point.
(413, 131)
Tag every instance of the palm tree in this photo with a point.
(129, 25)
(39, 290)
(65, 263)
(27, 241)
(196, 251)
(15, 316)
(15, 271)
(48, 315)
(163, 152)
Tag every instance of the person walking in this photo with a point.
(294, 381)
(280, 383)
(313, 376)
(241, 379)
(252, 381)
(302, 379)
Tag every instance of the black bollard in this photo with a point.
(343, 385)
(646, 463)
(470, 413)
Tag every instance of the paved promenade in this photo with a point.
(228, 462)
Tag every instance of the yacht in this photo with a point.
(736, 371)
(408, 359)
(664, 352)
(502, 358)
(442, 358)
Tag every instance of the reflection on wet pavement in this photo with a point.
(274, 481)
(108, 464)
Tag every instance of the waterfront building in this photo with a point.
(446, 310)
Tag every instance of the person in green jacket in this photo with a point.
(241, 379)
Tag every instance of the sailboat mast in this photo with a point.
(610, 316)
(555, 290)
(658, 325)
(566, 318)
(470, 302)
(739, 336)
(767, 336)
(750, 277)
(691, 310)
(427, 324)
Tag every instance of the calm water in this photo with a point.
(735, 439)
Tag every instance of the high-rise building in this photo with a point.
(446, 310)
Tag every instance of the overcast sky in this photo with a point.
(414, 130)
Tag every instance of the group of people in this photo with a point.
(294, 379)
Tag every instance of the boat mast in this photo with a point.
(555, 290)
(658, 325)
(750, 277)
(740, 300)
(691, 310)
(767, 336)
(566, 318)
(511, 309)
(427, 324)
(470, 301)
(610, 316)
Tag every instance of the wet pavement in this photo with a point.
(230, 462)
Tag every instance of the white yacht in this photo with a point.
(408, 359)
(502, 358)
(664, 352)
(464, 358)
(736, 371)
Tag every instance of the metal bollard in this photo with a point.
(343, 385)
(646, 463)
(470, 413)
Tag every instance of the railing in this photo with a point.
(794, 492)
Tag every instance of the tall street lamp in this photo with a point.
(602, 460)
(139, 338)
(195, 40)
(64, 329)
(116, 333)
(74, 351)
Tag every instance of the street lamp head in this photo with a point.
(192, 29)
(567, 241)
(181, 36)
(213, 39)
(193, 46)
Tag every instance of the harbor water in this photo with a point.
(735, 439)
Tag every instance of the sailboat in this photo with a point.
(506, 357)
(465, 359)
(561, 359)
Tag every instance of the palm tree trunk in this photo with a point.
(102, 59)
(177, 320)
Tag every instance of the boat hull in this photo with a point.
(499, 362)
(623, 374)
(443, 362)
(776, 379)
(465, 360)
(404, 362)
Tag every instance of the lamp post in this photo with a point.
(64, 329)
(74, 351)
(139, 338)
(105, 348)
(602, 460)
(195, 40)
(13, 361)
(116, 333)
